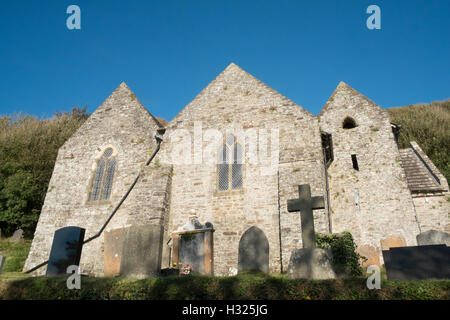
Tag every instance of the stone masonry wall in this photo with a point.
(121, 123)
(385, 202)
(236, 101)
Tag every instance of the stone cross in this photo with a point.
(306, 204)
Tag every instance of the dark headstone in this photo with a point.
(142, 251)
(431, 237)
(2, 262)
(17, 235)
(311, 263)
(419, 262)
(192, 251)
(253, 251)
(306, 204)
(66, 250)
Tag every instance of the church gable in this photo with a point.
(236, 99)
(235, 94)
(93, 170)
(346, 105)
(121, 109)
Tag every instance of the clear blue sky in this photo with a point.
(167, 51)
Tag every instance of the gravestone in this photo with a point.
(142, 251)
(253, 251)
(66, 250)
(193, 244)
(392, 241)
(433, 237)
(2, 262)
(17, 235)
(418, 262)
(309, 262)
(113, 248)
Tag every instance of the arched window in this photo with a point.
(103, 176)
(230, 165)
(349, 123)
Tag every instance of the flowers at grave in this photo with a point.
(186, 270)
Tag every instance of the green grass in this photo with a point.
(253, 286)
(16, 253)
(429, 126)
(245, 286)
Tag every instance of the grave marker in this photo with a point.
(309, 262)
(66, 250)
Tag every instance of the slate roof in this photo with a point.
(419, 175)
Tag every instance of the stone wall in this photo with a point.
(123, 124)
(237, 102)
(373, 202)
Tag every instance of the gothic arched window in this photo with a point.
(230, 165)
(103, 176)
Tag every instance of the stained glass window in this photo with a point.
(103, 177)
(230, 165)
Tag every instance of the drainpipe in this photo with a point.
(159, 137)
(328, 190)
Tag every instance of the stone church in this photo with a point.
(235, 155)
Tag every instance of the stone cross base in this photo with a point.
(311, 263)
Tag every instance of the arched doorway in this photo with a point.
(253, 251)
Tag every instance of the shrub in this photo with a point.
(345, 258)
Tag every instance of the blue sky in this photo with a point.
(168, 51)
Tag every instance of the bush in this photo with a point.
(345, 258)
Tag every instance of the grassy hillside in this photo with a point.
(28, 149)
(429, 126)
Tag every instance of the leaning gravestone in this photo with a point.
(418, 262)
(2, 262)
(309, 262)
(17, 235)
(431, 237)
(66, 250)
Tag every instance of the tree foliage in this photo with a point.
(28, 150)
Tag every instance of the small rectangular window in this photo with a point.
(355, 162)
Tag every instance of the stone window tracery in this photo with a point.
(103, 176)
(230, 165)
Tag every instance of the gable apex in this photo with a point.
(243, 84)
(343, 89)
